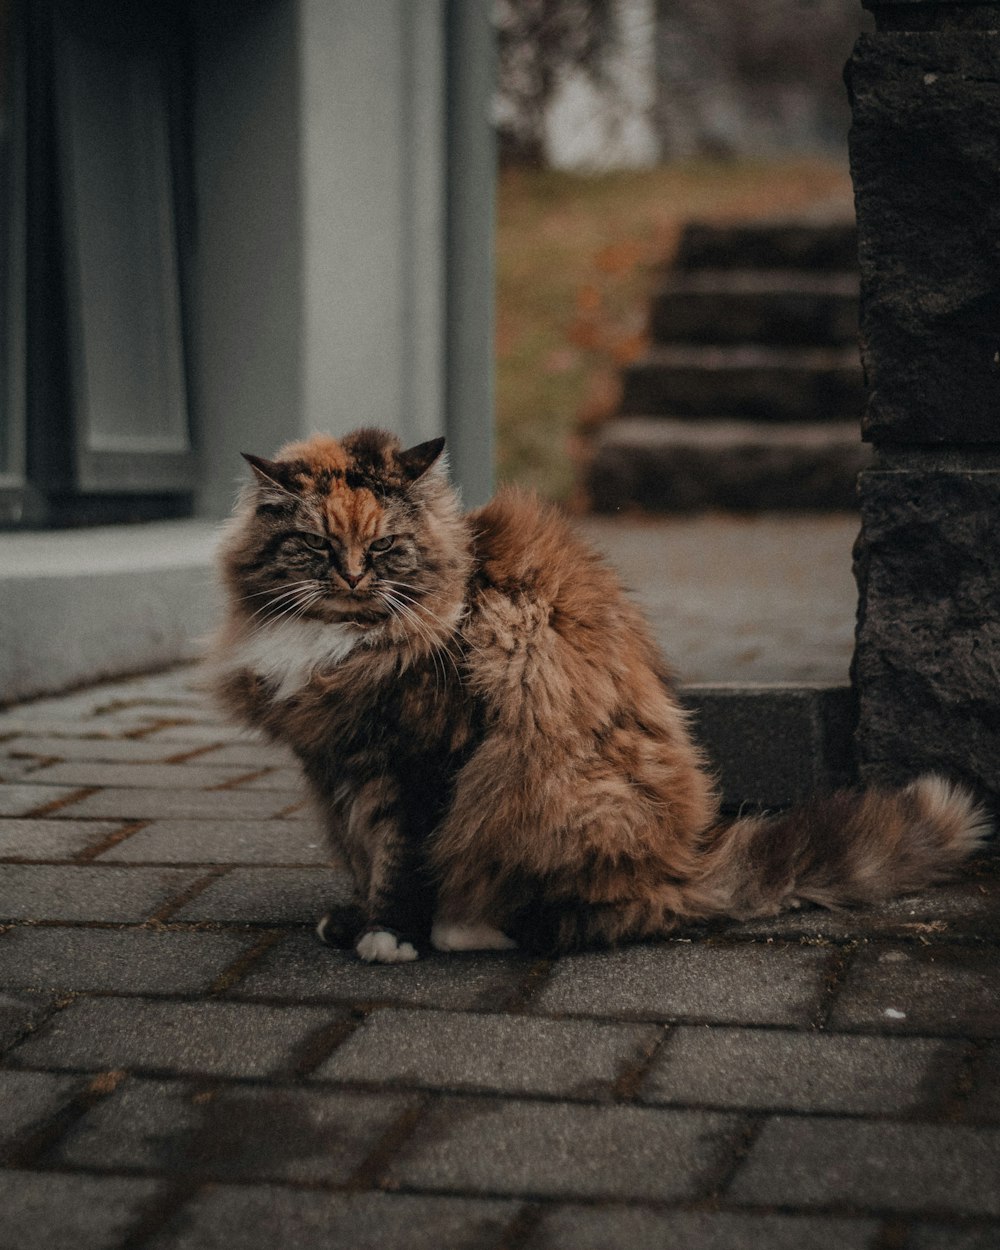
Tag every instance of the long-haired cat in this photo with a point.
(490, 733)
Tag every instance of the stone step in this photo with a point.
(762, 383)
(668, 465)
(774, 745)
(780, 307)
(830, 246)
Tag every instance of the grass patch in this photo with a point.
(577, 257)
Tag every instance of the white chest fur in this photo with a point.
(287, 653)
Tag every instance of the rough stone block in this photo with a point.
(301, 968)
(588, 1228)
(222, 1039)
(514, 1054)
(948, 990)
(82, 892)
(872, 1166)
(144, 961)
(775, 745)
(265, 1216)
(49, 1211)
(312, 1136)
(690, 981)
(772, 1070)
(565, 1150)
(925, 148)
(928, 572)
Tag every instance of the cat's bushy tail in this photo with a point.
(851, 847)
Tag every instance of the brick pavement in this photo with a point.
(183, 1066)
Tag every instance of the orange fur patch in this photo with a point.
(321, 451)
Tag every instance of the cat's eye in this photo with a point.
(382, 544)
(315, 542)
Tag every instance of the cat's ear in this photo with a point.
(272, 473)
(417, 460)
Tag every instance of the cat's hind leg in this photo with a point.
(447, 935)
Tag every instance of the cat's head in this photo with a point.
(357, 529)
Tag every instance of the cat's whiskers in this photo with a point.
(419, 603)
(403, 611)
(290, 608)
(289, 593)
(405, 602)
(270, 590)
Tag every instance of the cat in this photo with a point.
(491, 735)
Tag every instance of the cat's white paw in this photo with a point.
(447, 936)
(382, 947)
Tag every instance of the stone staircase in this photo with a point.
(751, 393)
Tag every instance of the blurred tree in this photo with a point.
(539, 42)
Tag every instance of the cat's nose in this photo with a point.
(352, 579)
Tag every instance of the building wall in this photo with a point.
(326, 274)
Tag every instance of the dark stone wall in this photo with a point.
(925, 153)
(927, 663)
(925, 158)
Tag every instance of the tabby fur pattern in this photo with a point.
(490, 733)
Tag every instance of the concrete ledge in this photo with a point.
(80, 605)
(776, 744)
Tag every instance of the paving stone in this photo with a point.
(266, 1217)
(302, 1135)
(223, 1039)
(20, 1012)
(220, 840)
(100, 750)
(946, 989)
(144, 804)
(588, 1228)
(984, 1100)
(301, 968)
(49, 1211)
(270, 896)
(968, 908)
(12, 770)
(950, 1237)
(139, 776)
(746, 984)
(516, 1054)
(565, 1150)
(873, 1166)
(199, 735)
(84, 892)
(143, 961)
(247, 755)
(769, 1069)
(29, 1099)
(51, 839)
(289, 780)
(23, 797)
